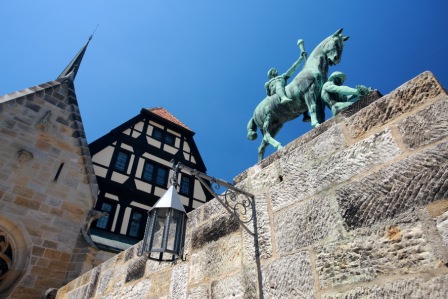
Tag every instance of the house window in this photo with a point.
(169, 139)
(162, 175)
(135, 226)
(102, 222)
(185, 187)
(122, 161)
(155, 173)
(160, 135)
(148, 172)
(157, 134)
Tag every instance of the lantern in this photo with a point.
(165, 229)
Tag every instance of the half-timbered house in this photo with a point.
(133, 165)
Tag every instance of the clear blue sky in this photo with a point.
(206, 61)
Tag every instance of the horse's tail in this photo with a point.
(252, 129)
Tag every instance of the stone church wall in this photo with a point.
(356, 208)
(47, 188)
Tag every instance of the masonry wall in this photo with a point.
(47, 188)
(356, 208)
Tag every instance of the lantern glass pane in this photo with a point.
(175, 224)
(148, 232)
(159, 228)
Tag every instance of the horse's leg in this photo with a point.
(310, 100)
(269, 129)
(262, 149)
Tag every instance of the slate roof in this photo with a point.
(73, 66)
(160, 111)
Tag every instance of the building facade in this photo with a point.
(47, 188)
(133, 167)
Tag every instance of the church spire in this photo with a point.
(75, 63)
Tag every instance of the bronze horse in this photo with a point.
(304, 90)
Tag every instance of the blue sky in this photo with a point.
(206, 61)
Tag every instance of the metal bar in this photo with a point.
(223, 183)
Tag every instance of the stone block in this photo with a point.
(262, 231)
(52, 254)
(397, 249)
(26, 293)
(38, 251)
(303, 180)
(72, 209)
(23, 191)
(413, 182)
(199, 292)
(136, 269)
(216, 258)
(426, 126)
(414, 288)
(47, 282)
(160, 284)
(289, 277)
(213, 230)
(27, 203)
(212, 209)
(307, 223)
(179, 281)
(235, 286)
(403, 99)
(266, 177)
(104, 279)
(442, 227)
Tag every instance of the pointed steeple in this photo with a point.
(75, 63)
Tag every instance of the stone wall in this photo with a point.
(47, 187)
(356, 208)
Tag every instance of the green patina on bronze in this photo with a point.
(284, 103)
(338, 97)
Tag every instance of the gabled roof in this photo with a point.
(160, 111)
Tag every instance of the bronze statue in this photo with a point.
(304, 92)
(337, 97)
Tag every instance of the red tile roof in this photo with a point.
(160, 111)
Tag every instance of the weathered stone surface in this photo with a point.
(112, 276)
(413, 182)
(195, 217)
(335, 217)
(216, 258)
(136, 269)
(364, 101)
(262, 230)
(212, 209)
(392, 250)
(426, 126)
(442, 227)
(403, 99)
(416, 288)
(200, 292)
(266, 177)
(307, 223)
(214, 230)
(289, 277)
(236, 286)
(133, 291)
(179, 281)
(303, 180)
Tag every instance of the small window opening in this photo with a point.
(58, 172)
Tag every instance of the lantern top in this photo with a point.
(170, 200)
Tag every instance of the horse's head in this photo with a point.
(334, 46)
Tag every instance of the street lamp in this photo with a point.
(165, 229)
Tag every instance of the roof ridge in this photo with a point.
(165, 114)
